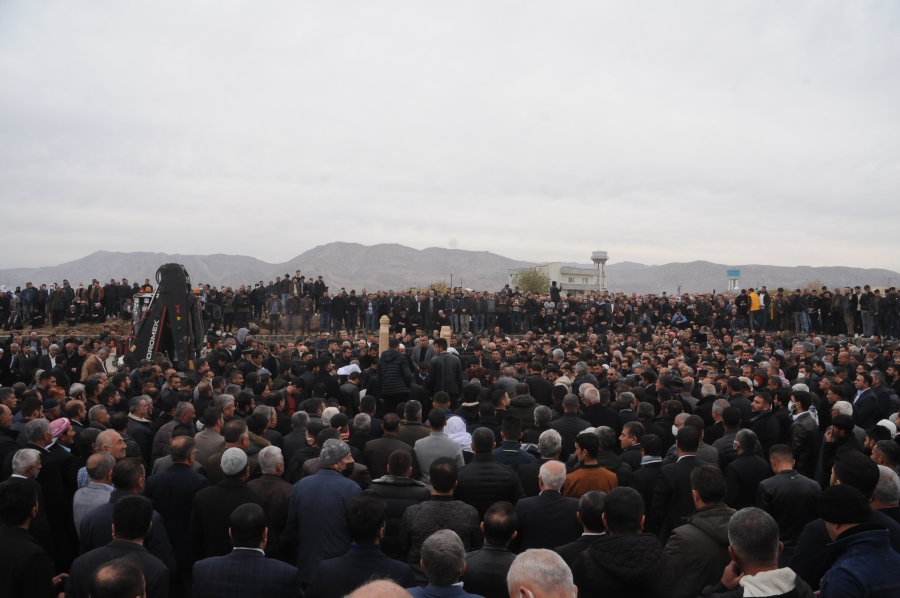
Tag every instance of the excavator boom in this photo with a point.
(172, 324)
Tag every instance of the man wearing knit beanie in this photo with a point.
(865, 564)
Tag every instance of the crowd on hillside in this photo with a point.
(639, 446)
(290, 304)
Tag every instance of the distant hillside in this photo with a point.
(392, 266)
(350, 265)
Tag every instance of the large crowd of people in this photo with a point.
(544, 445)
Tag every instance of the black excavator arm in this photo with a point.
(172, 324)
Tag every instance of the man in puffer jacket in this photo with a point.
(699, 549)
(624, 563)
(394, 376)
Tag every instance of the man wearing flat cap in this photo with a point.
(213, 506)
(865, 564)
(316, 523)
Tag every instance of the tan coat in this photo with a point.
(92, 365)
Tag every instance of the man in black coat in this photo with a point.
(764, 424)
(624, 562)
(484, 482)
(26, 570)
(486, 569)
(569, 425)
(213, 506)
(338, 577)
(548, 520)
(788, 497)
(131, 522)
(644, 479)
(630, 441)
(672, 498)
(597, 411)
(550, 447)
(377, 453)
(804, 434)
(745, 473)
(172, 492)
(444, 372)
(399, 488)
(59, 507)
(865, 402)
(590, 514)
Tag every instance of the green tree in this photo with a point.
(531, 280)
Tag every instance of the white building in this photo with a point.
(571, 279)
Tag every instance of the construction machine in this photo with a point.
(172, 320)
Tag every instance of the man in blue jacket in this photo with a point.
(865, 564)
(316, 523)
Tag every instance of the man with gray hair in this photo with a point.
(753, 570)
(717, 430)
(277, 492)
(38, 437)
(184, 418)
(139, 424)
(549, 519)
(99, 469)
(540, 573)
(887, 493)
(550, 446)
(444, 562)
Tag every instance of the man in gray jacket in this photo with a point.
(437, 444)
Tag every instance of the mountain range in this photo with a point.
(393, 266)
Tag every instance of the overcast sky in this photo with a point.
(738, 132)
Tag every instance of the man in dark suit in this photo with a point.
(590, 514)
(569, 425)
(865, 403)
(550, 446)
(277, 494)
(296, 439)
(672, 498)
(651, 464)
(377, 452)
(213, 506)
(444, 372)
(486, 569)
(548, 520)
(59, 506)
(340, 576)
(26, 570)
(131, 522)
(245, 571)
(172, 492)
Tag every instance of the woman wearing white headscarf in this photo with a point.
(456, 429)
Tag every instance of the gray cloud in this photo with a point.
(740, 132)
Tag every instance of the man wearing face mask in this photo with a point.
(803, 433)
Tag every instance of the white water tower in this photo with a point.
(734, 283)
(600, 258)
